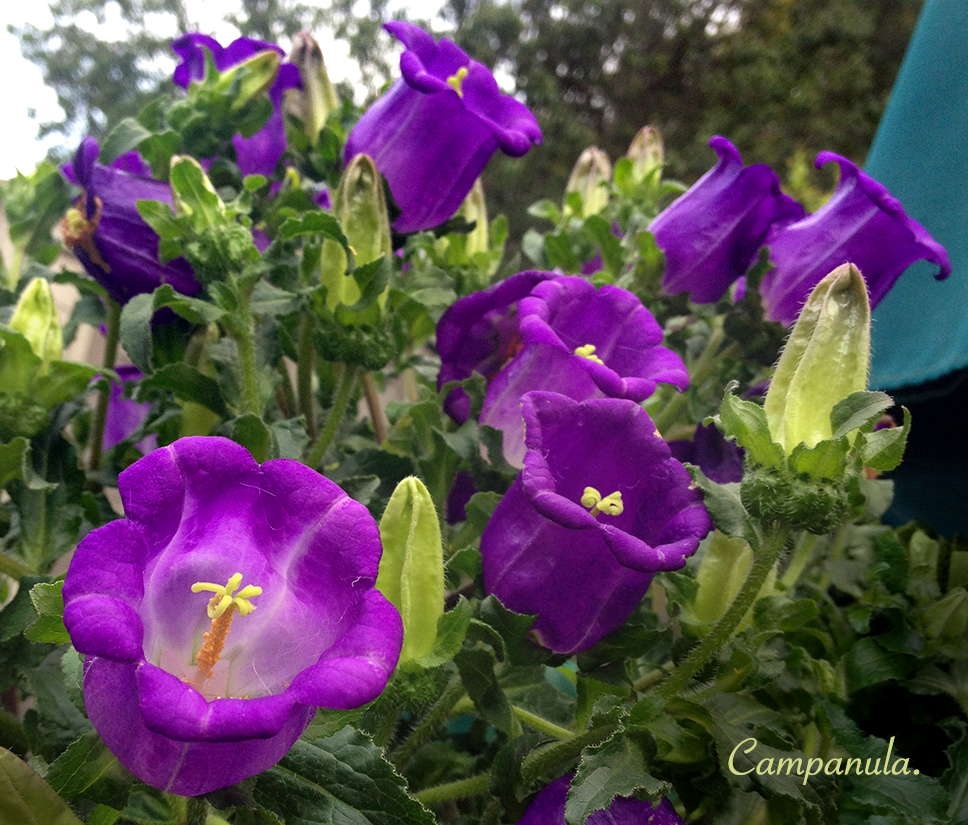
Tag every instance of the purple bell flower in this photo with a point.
(548, 808)
(711, 234)
(539, 331)
(211, 536)
(862, 224)
(600, 508)
(720, 459)
(106, 233)
(125, 415)
(433, 133)
(259, 154)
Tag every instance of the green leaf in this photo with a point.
(25, 799)
(86, 762)
(723, 503)
(867, 663)
(476, 666)
(49, 604)
(883, 449)
(193, 191)
(339, 780)
(371, 279)
(451, 630)
(411, 572)
(827, 460)
(124, 137)
(746, 422)
(617, 767)
(135, 331)
(272, 301)
(15, 464)
(188, 384)
(856, 410)
(317, 223)
(513, 629)
(251, 432)
(955, 778)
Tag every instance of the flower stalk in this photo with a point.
(101, 410)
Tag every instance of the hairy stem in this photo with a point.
(340, 402)
(101, 410)
(304, 374)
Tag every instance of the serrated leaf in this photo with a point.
(188, 384)
(883, 449)
(723, 503)
(25, 799)
(411, 574)
(135, 330)
(856, 410)
(84, 763)
(867, 663)
(451, 630)
(746, 422)
(513, 629)
(827, 460)
(617, 767)
(194, 193)
(314, 223)
(476, 666)
(49, 604)
(338, 780)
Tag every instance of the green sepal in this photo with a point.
(882, 450)
(828, 460)
(746, 422)
(411, 572)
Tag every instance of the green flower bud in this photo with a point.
(947, 618)
(250, 78)
(411, 572)
(313, 103)
(771, 495)
(725, 566)
(474, 210)
(361, 209)
(646, 153)
(35, 317)
(825, 359)
(588, 180)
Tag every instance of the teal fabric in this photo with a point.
(920, 153)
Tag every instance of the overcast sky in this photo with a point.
(24, 90)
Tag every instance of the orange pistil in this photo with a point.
(211, 651)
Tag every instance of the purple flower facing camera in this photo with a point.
(434, 131)
(862, 224)
(711, 234)
(600, 507)
(539, 331)
(231, 601)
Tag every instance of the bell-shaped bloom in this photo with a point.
(720, 459)
(434, 131)
(711, 234)
(862, 224)
(230, 602)
(600, 507)
(259, 154)
(106, 233)
(125, 415)
(539, 331)
(548, 808)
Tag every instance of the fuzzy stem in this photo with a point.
(541, 761)
(376, 411)
(802, 553)
(340, 402)
(243, 331)
(435, 717)
(304, 374)
(472, 786)
(541, 724)
(765, 556)
(101, 410)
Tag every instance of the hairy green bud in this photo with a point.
(588, 180)
(771, 495)
(646, 153)
(35, 317)
(312, 103)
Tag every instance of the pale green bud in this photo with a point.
(825, 359)
(725, 566)
(35, 317)
(313, 103)
(646, 153)
(589, 179)
(411, 574)
(361, 208)
(474, 210)
(253, 77)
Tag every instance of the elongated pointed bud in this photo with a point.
(646, 153)
(411, 572)
(825, 359)
(725, 566)
(589, 178)
(362, 211)
(474, 210)
(317, 98)
(250, 78)
(35, 317)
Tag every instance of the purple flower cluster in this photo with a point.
(434, 131)
(194, 691)
(712, 234)
(260, 153)
(540, 331)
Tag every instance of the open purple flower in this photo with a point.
(259, 154)
(599, 508)
(711, 234)
(106, 233)
(862, 224)
(539, 331)
(433, 133)
(188, 699)
(548, 808)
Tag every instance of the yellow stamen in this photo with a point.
(588, 351)
(221, 610)
(79, 231)
(455, 80)
(610, 505)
